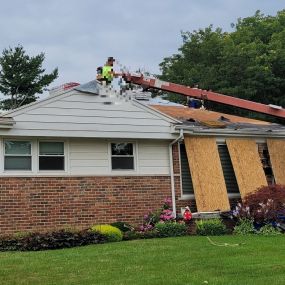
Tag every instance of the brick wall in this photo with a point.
(41, 203)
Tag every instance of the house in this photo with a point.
(90, 155)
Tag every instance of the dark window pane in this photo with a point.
(122, 163)
(51, 163)
(17, 163)
(122, 148)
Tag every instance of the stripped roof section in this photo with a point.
(184, 113)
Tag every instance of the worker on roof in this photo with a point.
(107, 71)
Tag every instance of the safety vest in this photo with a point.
(107, 72)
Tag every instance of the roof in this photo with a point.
(184, 113)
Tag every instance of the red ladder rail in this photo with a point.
(147, 82)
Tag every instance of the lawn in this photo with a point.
(185, 260)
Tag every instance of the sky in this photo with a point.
(78, 36)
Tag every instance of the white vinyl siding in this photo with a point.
(153, 157)
(83, 115)
(88, 157)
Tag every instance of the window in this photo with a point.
(266, 163)
(122, 156)
(51, 156)
(18, 155)
(229, 174)
(187, 186)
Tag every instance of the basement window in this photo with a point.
(122, 156)
(51, 156)
(18, 155)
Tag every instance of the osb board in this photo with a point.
(247, 165)
(207, 174)
(276, 149)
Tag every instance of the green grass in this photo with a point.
(184, 260)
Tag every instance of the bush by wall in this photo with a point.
(266, 205)
(210, 227)
(112, 233)
(170, 229)
(50, 240)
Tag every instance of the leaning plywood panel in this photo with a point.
(247, 165)
(207, 174)
(276, 150)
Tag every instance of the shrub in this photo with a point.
(244, 227)
(170, 229)
(266, 205)
(123, 227)
(162, 214)
(111, 233)
(50, 240)
(269, 230)
(211, 227)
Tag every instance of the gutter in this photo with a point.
(172, 182)
(232, 132)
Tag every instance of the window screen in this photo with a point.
(17, 155)
(122, 156)
(51, 156)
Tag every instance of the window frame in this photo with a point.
(4, 155)
(62, 155)
(134, 156)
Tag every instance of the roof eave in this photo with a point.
(232, 132)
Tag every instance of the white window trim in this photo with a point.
(122, 171)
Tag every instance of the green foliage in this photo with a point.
(269, 230)
(244, 227)
(112, 233)
(22, 76)
(210, 227)
(122, 226)
(248, 63)
(265, 205)
(50, 240)
(170, 229)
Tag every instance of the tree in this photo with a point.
(22, 77)
(248, 63)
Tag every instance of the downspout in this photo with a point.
(172, 182)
